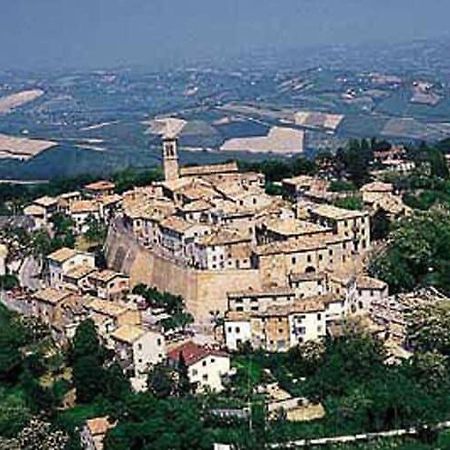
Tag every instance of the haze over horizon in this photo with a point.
(105, 33)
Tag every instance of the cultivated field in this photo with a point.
(10, 102)
(22, 148)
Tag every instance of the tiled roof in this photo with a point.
(224, 236)
(52, 295)
(79, 272)
(46, 201)
(101, 185)
(128, 333)
(106, 275)
(192, 353)
(209, 169)
(176, 224)
(99, 425)
(62, 255)
(84, 206)
(333, 212)
(364, 282)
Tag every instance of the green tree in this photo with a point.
(88, 357)
(88, 378)
(184, 385)
(160, 381)
(116, 384)
(380, 225)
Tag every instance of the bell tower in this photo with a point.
(170, 158)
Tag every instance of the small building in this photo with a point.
(65, 259)
(206, 366)
(80, 212)
(77, 278)
(137, 349)
(94, 431)
(344, 223)
(46, 304)
(224, 249)
(109, 285)
(108, 316)
(99, 188)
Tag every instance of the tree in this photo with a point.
(160, 381)
(353, 203)
(116, 384)
(417, 254)
(88, 358)
(10, 356)
(85, 341)
(8, 282)
(380, 225)
(184, 386)
(146, 423)
(96, 230)
(428, 327)
(39, 435)
(88, 378)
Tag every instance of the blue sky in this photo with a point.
(98, 33)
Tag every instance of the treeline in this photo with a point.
(15, 196)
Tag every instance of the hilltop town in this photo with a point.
(182, 281)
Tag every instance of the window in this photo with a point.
(205, 377)
(371, 293)
(230, 329)
(158, 341)
(238, 330)
(204, 363)
(319, 316)
(139, 346)
(293, 260)
(194, 372)
(309, 259)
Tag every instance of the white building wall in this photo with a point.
(236, 333)
(208, 372)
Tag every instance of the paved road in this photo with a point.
(28, 274)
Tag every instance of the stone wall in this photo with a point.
(203, 291)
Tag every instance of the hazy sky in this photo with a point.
(96, 33)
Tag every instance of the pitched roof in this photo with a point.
(128, 333)
(209, 169)
(176, 224)
(333, 212)
(84, 206)
(99, 425)
(106, 275)
(101, 185)
(294, 227)
(80, 271)
(62, 255)
(223, 236)
(377, 186)
(269, 291)
(192, 353)
(52, 295)
(46, 201)
(364, 282)
(106, 307)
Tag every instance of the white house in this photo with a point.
(137, 349)
(206, 367)
(65, 259)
